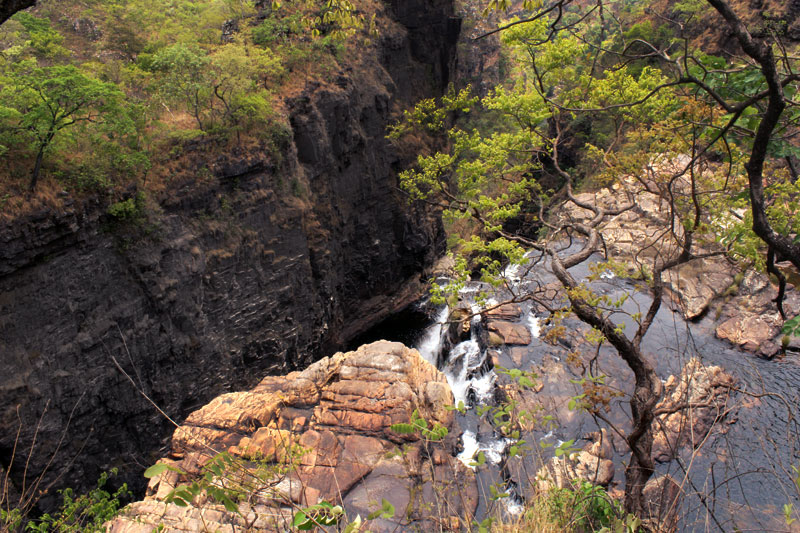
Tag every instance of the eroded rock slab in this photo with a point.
(742, 301)
(505, 332)
(692, 404)
(593, 464)
(339, 411)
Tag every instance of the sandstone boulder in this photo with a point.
(663, 496)
(323, 434)
(694, 285)
(593, 464)
(505, 312)
(750, 332)
(504, 332)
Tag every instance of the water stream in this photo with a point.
(740, 477)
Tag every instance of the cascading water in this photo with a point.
(430, 345)
(470, 372)
(468, 364)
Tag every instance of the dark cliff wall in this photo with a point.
(257, 268)
(9, 7)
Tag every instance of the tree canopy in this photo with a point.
(611, 94)
(145, 80)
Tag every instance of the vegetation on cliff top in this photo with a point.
(97, 96)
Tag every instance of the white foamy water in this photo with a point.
(534, 325)
(456, 372)
(513, 507)
(492, 450)
(430, 344)
(470, 443)
(484, 386)
(512, 272)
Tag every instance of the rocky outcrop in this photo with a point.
(504, 328)
(340, 411)
(750, 318)
(637, 235)
(693, 402)
(267, 259)
(743, 303)
(592, 464)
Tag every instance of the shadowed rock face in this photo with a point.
(9, 7)
(340, 410)
(260, 265)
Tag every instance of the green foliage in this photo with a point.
(792, 327)
(85, 513)
(320, 515)
(171, 77)
(430, 432)
(525, 379)
(488, 177)
(587, 507)
(130, 210)
(39, 103)
(45, 41)
(184, 68)
(386, 510)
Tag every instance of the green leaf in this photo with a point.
(387, 508)
(302, 522)
(403, 428)
(180, 502)
(480, 459)
(229, 504)
(353, 526)
(156, 470)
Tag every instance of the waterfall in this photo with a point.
(431, 343)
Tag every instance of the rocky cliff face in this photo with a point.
(258, 266)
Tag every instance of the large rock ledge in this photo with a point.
(741, 303)
(339, 410)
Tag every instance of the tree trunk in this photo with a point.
(647, 390)
(761, 52)
(640, 440)
(37, 168)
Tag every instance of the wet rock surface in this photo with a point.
(693, 403)
(742, 303)
(504, 327)
(593, 464)
(258, 265)
(339, 410)
(504, 332)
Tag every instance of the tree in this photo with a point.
(241, 77)
(186, 78)
(39, 102)
(778, 73)
(590, 100)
